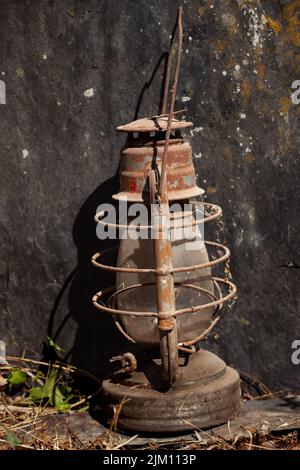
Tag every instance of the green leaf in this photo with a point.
(84, 408)
(52, 344)
(57, 395)
(12, 440)
(49, 386)
(47, 391)
(60, 399)
(62, 407)
(16, 377)
(38, 375)
(67, 390)
(36, 394)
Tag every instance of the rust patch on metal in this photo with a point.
(137, 162)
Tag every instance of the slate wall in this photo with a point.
(73, 71)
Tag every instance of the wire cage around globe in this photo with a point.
(199, 296)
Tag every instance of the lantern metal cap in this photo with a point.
(154, 124)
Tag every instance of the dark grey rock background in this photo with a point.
(60, 153)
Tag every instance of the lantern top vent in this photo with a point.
(154, 124)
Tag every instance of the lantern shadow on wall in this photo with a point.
(96, 336)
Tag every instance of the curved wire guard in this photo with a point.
(211, 212)
(194, 309)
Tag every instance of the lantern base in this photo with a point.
(207, 394)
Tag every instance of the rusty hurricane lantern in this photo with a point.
(166, 299)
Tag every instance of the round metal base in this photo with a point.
(207, 394)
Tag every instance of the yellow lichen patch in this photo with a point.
(210, 3)
(201, 11)
(219, 47)
(20, 72)
(258, 49)
(228, 153)
(244, 321)
(289, 10)
(285, 104)
(291, 56)
(207, 4)
(250, 158)
(284, 140)
(262, 108)
(260, 69)
(260, 85)
(274, 25)
(292, 33)
(291, 20)
(251, 215)
(231, 63)
(229, 21)
(246, 91)
(232, 28)
(211, 190)
(248, 3)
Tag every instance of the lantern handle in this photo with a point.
(163, 110)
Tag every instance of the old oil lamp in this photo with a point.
(166, 299)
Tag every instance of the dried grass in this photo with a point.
(28, 425)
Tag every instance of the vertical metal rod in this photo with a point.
(168, 69)
(164, 287)
(171, 111)
(167, 79)
(162, 243)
